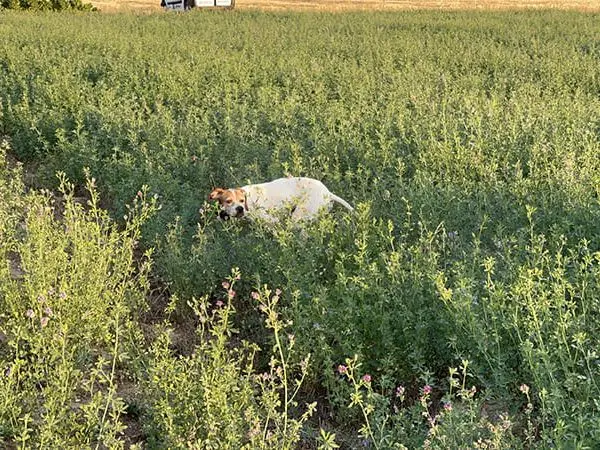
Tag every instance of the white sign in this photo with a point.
(208, 3)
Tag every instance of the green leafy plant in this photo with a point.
(214, 398)
(70, 293)
(467, 142)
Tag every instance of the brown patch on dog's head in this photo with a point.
(228, 196)
(216, 193)
(232, 201)
(239, 196)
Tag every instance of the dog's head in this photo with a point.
(233, 202)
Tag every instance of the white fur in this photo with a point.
(302, 197)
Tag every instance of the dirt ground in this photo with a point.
(143, 6)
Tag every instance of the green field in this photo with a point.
(467, 284)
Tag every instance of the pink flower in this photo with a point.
(426, 389)
(219, 303)
(400, 391)
(62, 295)
(139, 194)
(29, 313)
(447, 406)
(48, 311)
(366, 378)
(255, 295)
(277, 292)
(524, 389)
(231, 293)
(254, 431)
(225, 284)
(342, 369)
(44, 321)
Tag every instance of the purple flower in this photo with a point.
(29, 313)
(62, 295)
(342, 369)
(48, 311)
(426, 389)
(400, 391)
(366, 378)
(44, 321)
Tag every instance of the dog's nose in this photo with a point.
(239, 210)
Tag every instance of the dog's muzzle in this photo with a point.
(239, 212)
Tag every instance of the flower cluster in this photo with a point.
(46, 311)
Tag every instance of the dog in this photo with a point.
(301, 198)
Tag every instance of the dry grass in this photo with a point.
(126, 5)
(342, 5)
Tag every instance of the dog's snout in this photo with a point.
(239, 210)
(223, 215)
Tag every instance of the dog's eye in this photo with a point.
(242, 200)
(228, 202)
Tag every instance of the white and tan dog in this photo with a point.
(301, 198)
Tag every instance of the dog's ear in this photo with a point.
(216, 193)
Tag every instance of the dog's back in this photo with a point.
(308, 195)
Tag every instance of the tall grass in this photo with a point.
(468, 141)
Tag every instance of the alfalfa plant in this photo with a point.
(216, 397)
(454, 419)
(68, 304)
